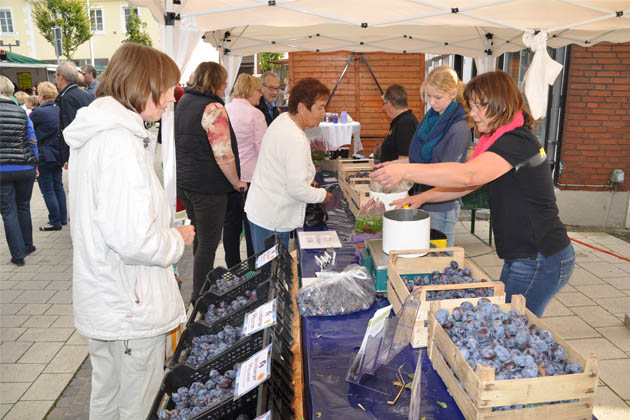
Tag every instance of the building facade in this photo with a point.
(108, 20)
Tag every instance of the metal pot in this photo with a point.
(406, 229)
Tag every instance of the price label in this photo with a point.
(253, 372)
(266, 256)
(266, 416)
(262, 317)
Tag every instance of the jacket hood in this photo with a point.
(102, 114)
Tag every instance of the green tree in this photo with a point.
(70, 15)
(266, 58)
(137, 29)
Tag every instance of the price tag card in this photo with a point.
(266, 416)
(266, 256)
(260, 318)
(253, 372)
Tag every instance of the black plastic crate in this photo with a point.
(275, 394)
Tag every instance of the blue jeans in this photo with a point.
(259, 234)
(51, 186)
(16, 188)
(445, 222)
(538, 279)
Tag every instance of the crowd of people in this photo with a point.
(242, 167)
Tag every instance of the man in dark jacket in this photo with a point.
(270, 90)
(69, 100)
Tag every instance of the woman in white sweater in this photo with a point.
(282, 182)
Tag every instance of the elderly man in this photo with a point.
(270, 90)
(403, 126)
(89, 73)
(69, 100)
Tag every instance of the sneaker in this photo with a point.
(18, 261)
(49, 227)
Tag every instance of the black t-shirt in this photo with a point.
(398, 139)
(522, 202)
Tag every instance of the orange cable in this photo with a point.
(599, 249)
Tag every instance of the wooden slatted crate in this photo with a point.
(435, 259)
(476, 392)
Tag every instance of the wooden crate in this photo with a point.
(346, 167)
(397, 290)
(476, 392)
(359, 194)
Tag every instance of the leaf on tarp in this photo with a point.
(318, 414)
(397, 383)
(409, 385)
(318, 374)
(423, 418)
(441, 404)
(318, 335)
(410, 375)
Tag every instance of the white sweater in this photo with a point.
(281, 185)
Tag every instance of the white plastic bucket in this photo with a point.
(406, 229)
(388, 198)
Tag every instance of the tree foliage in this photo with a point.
(266, 58)
(70, 15)
(137, 29)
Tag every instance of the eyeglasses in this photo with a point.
(477, 107)
(385, 103)
(272, 88)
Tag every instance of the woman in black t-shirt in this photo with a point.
(530, 237)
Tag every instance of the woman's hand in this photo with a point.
(413, 202)
(240, 186)
(328, 197)
(390, 175)
(188, 233)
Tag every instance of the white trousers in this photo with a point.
(124, 385)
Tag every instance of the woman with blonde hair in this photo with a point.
(125, 296)
(208, 167)
(46, 121)
(442, 136)
(249, 125)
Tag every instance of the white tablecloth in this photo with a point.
(337, 135)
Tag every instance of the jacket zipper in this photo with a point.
(138, 284)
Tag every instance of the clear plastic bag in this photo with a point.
(335, 293)
(402, 186)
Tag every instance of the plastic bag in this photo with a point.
(350, 291)
(402, 186)
(370, 217)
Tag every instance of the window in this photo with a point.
(126, 14)
(6, 21)
(96, 20)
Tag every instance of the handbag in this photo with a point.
(316, 214)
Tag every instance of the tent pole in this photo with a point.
(340, 77)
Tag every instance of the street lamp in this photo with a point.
(5, 44)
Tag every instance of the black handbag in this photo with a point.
(316, 214)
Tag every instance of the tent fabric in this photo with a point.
(21, 59)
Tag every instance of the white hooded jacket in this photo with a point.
(124, 243)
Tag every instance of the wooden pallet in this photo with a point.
(397, 290)
(477, 392)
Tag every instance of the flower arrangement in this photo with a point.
(370, 217)
(318, 150)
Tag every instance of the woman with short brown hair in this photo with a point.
(125, 296)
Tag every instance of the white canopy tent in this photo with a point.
(483, 29)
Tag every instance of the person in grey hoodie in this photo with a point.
(125, 296)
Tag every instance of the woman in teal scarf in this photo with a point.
(442, 136)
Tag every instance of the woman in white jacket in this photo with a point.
(125, 297)
(281, 186)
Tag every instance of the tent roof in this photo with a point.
(248, 26)
(18, 58)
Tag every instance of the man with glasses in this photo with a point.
(270, 90)
(89, 73)
(403, 126)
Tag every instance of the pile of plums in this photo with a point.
(221, 309)
(205, 347)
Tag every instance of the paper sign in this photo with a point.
(253, 372)
(330, 179)
(266, 416)
(262, 317)
(319, 239)
(266, 256)
(375, 325)
(24, 80)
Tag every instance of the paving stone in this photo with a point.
(619, 336)
(4, 409)
(42, 352)
(12, 321)
(599, 291)
(68, 360)
(622, 283)
(584, 255)
(574, 299)
(59, 285)
(40, 321)
(34, 296)
(488, 260)
(60, 309)
(568, 289)
(7, 268)
(581, 277)
(32, 285)
(29, 410)
(616, 374)
(596, 316)
(11, 351)
(625, 266)
(8, 296)
(46, 334)
(52, 268)
(61, 296)
(63, 276)
(600, 346)
(555, 308)
(608, 405)
(571, 327)
(615, 305)
(24, 275)
(603, 269)
(34, 309)
(77, 339)
(56, 413)
(20, 372)
(10, 308)
(11, 334)
(48, 386)
(493, 272)
(8, 284)
(11, 392)
(64, 321)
